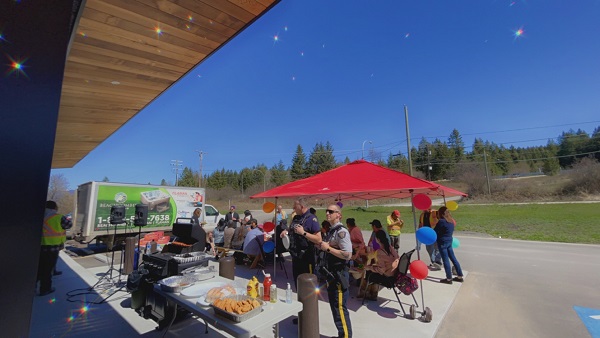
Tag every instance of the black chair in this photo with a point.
(390, 283)
(267, 259)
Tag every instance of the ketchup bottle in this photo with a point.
(267, 288)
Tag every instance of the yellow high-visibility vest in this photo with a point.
(52, 231)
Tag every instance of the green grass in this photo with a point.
(570, 223)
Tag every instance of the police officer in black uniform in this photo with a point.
(337, 249)
(301, 248)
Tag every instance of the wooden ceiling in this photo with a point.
(125, 53)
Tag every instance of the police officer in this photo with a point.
(303, 230)
(338, 251)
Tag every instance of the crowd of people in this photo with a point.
(328, 249)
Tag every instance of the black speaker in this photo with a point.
(141, 215)
(117, 214)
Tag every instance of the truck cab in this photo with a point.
(211, 217)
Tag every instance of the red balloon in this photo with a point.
(268, 226)
(422, 202)
(418, 269)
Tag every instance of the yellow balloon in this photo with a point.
(268, 207)
(451, 205)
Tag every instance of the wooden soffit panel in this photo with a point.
(125, 53)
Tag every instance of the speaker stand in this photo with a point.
(107, 280)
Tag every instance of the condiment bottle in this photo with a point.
(252, 287)
(267, 288)
(288, 294)
(273, 293)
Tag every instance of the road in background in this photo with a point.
(523, 289)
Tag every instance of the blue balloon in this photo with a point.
(455, 243)
(426, 235)
(268, 246)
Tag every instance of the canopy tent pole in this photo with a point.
(275, 240)
(412, 195)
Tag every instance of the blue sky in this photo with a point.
(342, 70)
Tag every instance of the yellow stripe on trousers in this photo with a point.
(341, 310)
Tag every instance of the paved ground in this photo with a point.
(61, 314)
(523, 289)
(513, 289)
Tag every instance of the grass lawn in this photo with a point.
(571, 223)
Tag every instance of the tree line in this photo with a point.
(434, 160)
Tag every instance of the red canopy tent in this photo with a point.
(359, 180)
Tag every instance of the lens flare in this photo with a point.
(519, 33)
(16, 66)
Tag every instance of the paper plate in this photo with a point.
(268, 207)
(199, 290)
(268, 226)
(285, 240)
(202, 301)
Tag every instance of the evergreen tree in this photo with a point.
(187, 178)
(397, 162)
(594, 143)
(279, 175)
(550, 164)
(456, 144)
(572, 143)
(105, 179)
(217, 180)
(440, 159)
(163, 182)
(346, 160)
(422, 159)
(320, 160)
(297, 170)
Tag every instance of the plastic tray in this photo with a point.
(237, 317)
(175, 283)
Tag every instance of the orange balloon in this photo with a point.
(268, 207)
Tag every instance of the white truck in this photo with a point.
(94, 200)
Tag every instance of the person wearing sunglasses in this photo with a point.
(337, 247)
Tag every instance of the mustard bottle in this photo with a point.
(252, 287)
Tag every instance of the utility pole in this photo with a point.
(487, 175)
(175, 166)
(201, 153)
(410, 171)
(428, 164)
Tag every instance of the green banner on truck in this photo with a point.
(164, 204)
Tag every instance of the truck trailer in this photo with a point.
(94, 201)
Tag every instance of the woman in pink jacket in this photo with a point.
(383, 271)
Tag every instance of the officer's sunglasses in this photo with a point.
(329, 211)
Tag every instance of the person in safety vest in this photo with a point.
(53, 238)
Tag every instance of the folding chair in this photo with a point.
(267, 259)
(402, 269)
